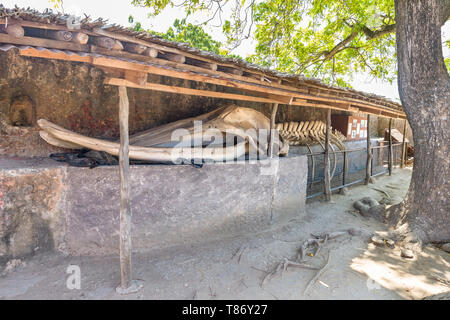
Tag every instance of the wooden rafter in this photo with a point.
(271, 92)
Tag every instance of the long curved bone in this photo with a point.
(237, 129)
(60, 137)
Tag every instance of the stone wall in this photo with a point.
(46, 205)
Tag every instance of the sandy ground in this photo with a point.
(235, 268)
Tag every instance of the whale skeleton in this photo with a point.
(224, 134)
(308, 133)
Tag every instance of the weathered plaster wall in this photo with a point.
(31, 218)
(76, 210)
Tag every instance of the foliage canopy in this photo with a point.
(328, 39)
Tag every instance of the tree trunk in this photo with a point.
(424, 87)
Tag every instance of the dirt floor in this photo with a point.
(236, 268)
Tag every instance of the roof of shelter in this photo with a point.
(174, 58)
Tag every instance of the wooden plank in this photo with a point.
(151, 52)
(48, 26)
(327, 182)
(13, 30)
(224, 80)
(99, 31)
(106, 42)
(178, 58)
(390, 147)
(201, 64)
(47, 43)
(369, 153)
(403, 162)
(188, 91)
(125, 209)
(81, 38)
(60, 35)
(163, 48)
(31, 52)
(182, 68)
(341, 91)
(272, 129)
(139, 78)
(230, 70)
(183, 75)
(134, 47)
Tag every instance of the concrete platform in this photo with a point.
(45, 205)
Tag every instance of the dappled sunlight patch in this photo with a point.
(428, 273)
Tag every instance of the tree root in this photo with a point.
(310, 247)
(318, 274)
(282, 267)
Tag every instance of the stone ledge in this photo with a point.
(171, 205)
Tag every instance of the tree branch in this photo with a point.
(370, 34)
(339, 46)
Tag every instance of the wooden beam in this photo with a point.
(230, 70)
(100, 31)
(60, 35)
(201, 64)
(125, 210)
(81, 38)
(272, 129)
(178, 58)
(150, 56)
(188, 91)
(151, 52)
(390, 147)
(220, 78)
(48, 26)
(369, 153)
(233, 81)
(14, 30)
(47, 43)
(162, 48)
(403, 162)
(32, 52)
(139, 78)
(327, 180)
(134, 47)
(107, 43)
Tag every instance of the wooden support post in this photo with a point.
(369, 153)
(403, 162)
(125, 213)
(126, 284)
(272, 128)
(344, 169)
(327, 184)
(390, 147)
